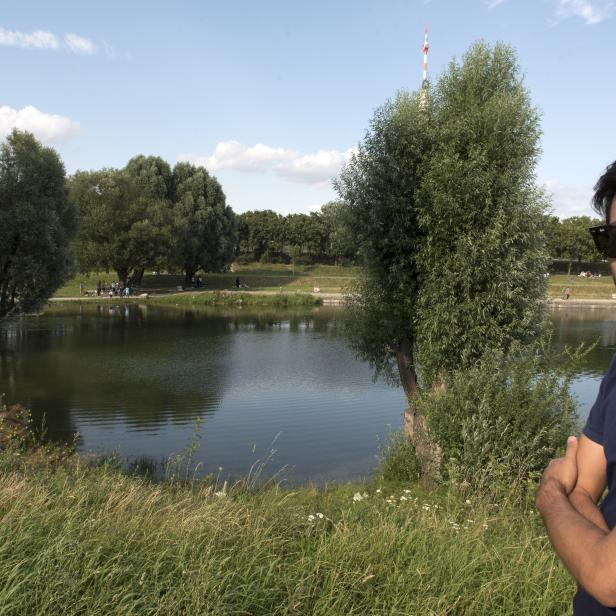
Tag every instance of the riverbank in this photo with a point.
(77, 539)
(330, 280)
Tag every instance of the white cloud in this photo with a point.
(315, 169)
(47, 127)
(39, 39)
(569, 200)
(43, 39)
(492, 4)
(79, 44)
(591, 11)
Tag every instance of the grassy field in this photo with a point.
(581, 288)
(81, 540)
(303, 279)
(274, 278)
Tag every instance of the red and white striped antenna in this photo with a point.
(425, 48)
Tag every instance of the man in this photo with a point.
(583, 534)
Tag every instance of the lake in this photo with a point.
(141, 380)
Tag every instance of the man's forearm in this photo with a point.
(579, 543)
(585, 505)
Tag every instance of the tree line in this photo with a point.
(122, 220)
(318, 237)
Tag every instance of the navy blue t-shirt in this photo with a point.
(601, 428)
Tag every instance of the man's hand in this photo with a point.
(561, 473)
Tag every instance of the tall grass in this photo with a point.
(77, 539)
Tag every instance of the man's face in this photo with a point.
(612, 262)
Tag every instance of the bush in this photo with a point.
(302, 260)
(274, 257)
(503, 419)
(398, 461)
(245, 259)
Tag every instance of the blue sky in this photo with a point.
(272, 95)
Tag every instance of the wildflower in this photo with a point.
(359, 497)
(467, 502)
(311, 518)
(403, 498)
(219, 493)
(320, 516)
(407, 491)
(484, 526)
(378, 490)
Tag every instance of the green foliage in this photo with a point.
(398, 463)
(36, 223)
(121, 228)
(323, 236)
(204, 228)
(503, 419)
(260, 230)
(569, 239)
(444, 206)
(147, 215)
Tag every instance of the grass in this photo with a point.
(77, 539)
(581, 288)
(271, 278)
(283, 279)
(237, 299)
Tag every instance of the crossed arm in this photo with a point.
(567, 500)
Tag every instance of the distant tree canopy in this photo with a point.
(569, 239)
(323, 236)
(147, 215)
(445, 209)
(37, 223)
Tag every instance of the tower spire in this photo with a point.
(425, 48)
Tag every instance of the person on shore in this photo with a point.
(567, 293)
(582, 533)
(237, 282)
(98, 288)
(81, 288)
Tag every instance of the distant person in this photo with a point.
(567, 293)
(81, 288)
(237, 282)
(98, 287)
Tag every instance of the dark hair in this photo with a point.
(605, 191)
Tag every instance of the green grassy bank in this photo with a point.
(284, 279)
(81, 540)
(257, 277)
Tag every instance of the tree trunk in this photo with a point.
(122, 276)
(137, 276)
(189, 272)
(415, 425)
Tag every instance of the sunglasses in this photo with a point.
(605, 239)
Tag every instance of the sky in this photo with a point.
(272, 96)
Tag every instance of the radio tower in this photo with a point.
(424, 83)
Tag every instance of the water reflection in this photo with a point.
(134, 379)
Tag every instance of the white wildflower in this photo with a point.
(320, 516)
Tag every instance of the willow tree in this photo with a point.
(449, 221)
(205, 229)
(37, 222)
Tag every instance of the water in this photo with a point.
(135, 379)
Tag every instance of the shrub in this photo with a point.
(245, 259)
(503, 419)
(274, 257)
